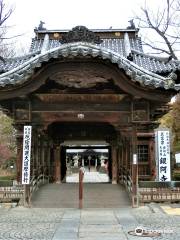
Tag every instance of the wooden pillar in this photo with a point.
(35, 155)
(126, 156)
(119, 160)
(134, 168)
(48, 159)
(33, 160)
(43, 159)
(120, 163)
(46, 156)
(32, 156)
(114, 164)
(123, 155)
(39, 154)
(57, 164)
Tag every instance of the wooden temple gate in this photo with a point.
(83, 91)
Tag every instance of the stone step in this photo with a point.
(65, 195)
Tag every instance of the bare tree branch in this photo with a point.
(165, 22)
(6, 48)
(4, 15)
(157, 48)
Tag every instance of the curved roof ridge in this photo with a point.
(136, 73)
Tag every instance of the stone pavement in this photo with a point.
(155, 218)
(86, 224)
(89, 177)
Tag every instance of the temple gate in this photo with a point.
(83, 86)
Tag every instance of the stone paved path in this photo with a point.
(153, 217)
(89, 177)
(86, 224)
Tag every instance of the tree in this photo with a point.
(5, 13)
(165, 24)
(172, 121)
(7, 140)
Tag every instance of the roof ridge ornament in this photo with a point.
(132, 25)
(80, 34)
(40, 27)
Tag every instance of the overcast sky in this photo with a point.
(65, 14)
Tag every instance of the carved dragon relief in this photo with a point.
(80, 33)
(79, 79)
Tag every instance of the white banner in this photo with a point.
(26, 155)
(163, 155)
(177, 157)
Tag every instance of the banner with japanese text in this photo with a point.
(26, 155)
(162, 138)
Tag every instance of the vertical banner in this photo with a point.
(162, 138)
(26, 155)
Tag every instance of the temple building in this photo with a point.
(94, 88)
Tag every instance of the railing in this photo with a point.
(18, 192)
(128, 183)
(6, 183)
(11, 194)
(159, 191)
(126, 180)
(36, 183)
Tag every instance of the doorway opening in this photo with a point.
(95, 159)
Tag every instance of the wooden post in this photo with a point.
(134, 169)
(57, 164)
(48, 159)
(121, 162)
(34, 139)
(81, 176)
(43, 159)
(114, 164)
(126, 155)
(27, 202)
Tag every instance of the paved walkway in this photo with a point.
(96, 195)
(87, 224)
(89, 177)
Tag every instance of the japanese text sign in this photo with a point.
(163, 155)
(26, 155)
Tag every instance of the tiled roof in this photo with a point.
(21, 73)
(126, 51)
(154, 64)
(11, 63)
(116, 45)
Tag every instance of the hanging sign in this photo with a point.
(177, 157)
(26, 155)
(162, 137)
(134, 158)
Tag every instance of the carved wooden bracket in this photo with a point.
(80, 34)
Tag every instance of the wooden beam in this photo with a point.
(143, 134)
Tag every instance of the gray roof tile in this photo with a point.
(138, 74)
(143, 68)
